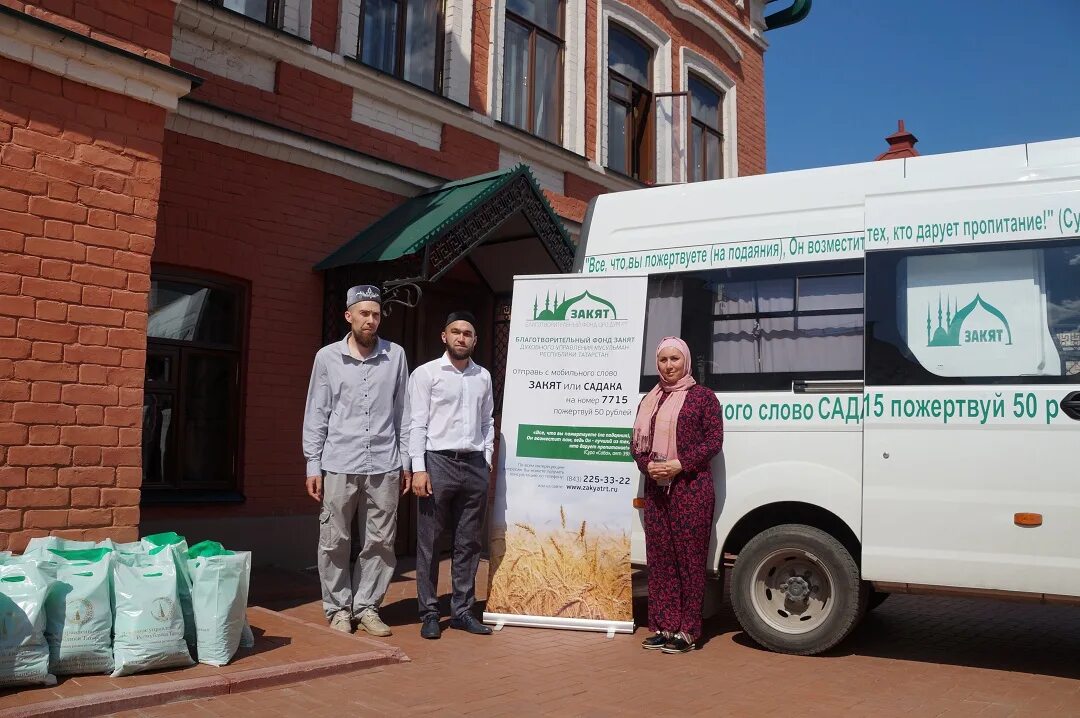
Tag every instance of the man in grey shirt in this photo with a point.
(356, 439)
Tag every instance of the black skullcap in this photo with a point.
(462, 315)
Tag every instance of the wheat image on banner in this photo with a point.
(571, 572)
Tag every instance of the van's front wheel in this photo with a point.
(796, 589)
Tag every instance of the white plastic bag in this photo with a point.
(39, 546)
(78, 613)
(219, 593)
(176, 546)
(149, 625)
(24, 654)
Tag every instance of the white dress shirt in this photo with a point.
(451, 410)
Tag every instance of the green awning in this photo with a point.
(423, 220)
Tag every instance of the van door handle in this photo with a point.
(1071, 405)
(828, 386)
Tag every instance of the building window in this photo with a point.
(265, 11)
(532, 70)
(631, 145)
(403, 38)
(191, 399)
(706, 130)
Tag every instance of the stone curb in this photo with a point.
(106, 702)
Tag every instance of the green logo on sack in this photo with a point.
(950, 330)
(162, 609)
(584, 306)
(79, 612)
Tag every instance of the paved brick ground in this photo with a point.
(912, 657)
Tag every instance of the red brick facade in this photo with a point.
(79, 179)
(206, 226)
(252, 178)
(144, 28)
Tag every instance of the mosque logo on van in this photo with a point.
(583, 306)
(951, 320)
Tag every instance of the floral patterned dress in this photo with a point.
(679, 521)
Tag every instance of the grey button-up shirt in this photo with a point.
(356, 420)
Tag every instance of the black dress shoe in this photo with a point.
(430, 629)
(468, 622)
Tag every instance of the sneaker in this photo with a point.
(369, 620)
(654, 643)
(340, 621)
(679, 643)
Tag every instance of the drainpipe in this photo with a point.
(796, 12)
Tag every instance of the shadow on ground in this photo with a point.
(975, 633)
(995, 635)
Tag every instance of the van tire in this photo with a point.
(793, 560)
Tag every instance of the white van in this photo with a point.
(896, 347)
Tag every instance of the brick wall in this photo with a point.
(481, 49)
(751, 111)
(266, 222)
(144, 27)
(322, 108)
(324, 23)
(79, 181)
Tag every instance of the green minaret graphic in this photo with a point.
(948, 332)
(557, 311)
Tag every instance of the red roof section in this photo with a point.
(901, 144)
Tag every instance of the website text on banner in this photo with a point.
(560, 530)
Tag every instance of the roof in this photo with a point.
(411, 226)
(901, 144)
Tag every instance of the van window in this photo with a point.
(974, 315)
(761, 328)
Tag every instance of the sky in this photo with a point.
(962, 74)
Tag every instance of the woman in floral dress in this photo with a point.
(678, 430)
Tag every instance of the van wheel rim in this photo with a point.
(792, 591)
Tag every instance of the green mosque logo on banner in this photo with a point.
(560, 310)
(951, 332)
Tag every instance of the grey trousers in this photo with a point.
(458, 502)
(348, 586)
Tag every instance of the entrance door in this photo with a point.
(972, 368)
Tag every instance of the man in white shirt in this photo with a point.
(451, 440)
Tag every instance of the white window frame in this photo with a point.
(660, 42)
(457, 43)
(573, 83)
(296, 18)
(692, 61)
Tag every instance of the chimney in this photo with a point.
(901, 145)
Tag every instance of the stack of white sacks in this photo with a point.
(76, 607)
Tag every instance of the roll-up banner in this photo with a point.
(560, 529)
